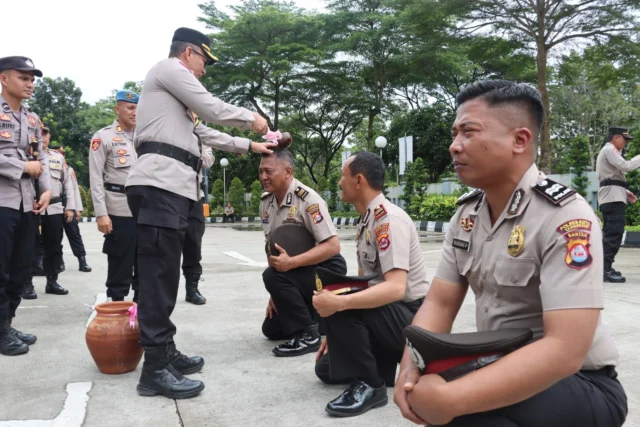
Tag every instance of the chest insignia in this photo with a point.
(516, 241)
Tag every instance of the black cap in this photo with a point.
(293, 238)
(21, 63)
(620, 131)
(340, 284)
(45, 127)
(196, 38)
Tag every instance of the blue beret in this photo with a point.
(127, 96)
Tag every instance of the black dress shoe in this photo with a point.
(29, 291)
(611, 277)
(84, 267)
(308, 341)
(184, 364)
(357, 399)
(9, 344)
(53, 287)
(28, 339)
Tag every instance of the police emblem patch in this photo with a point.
(314, 212)
(382, 236)
(467, 224)
(95, 144)
(32, 121)
(577, 232)
(129, 96)
(5, 118)
(6, 134)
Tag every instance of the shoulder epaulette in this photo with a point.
(467, 197)
(265, 195)
(302, 193)
(553, 191)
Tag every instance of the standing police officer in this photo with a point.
(192, 251)
(110, 158)
(613, 196)
(161, 189)
(19, 127)
(290, 280)
(72, 230)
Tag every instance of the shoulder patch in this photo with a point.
(467, 197)
(265, 195)
(302, 193)
(382, 236)
(379, 212)
(553, 191)
(96, 143)
(577, 232)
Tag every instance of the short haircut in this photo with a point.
(281, 154)
(370, 165)
(498, 93)
(178, 47)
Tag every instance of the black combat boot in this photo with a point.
(160, 377)
(10, 345)
(39, 266)
(613, 276)
(84, 267)
(29, 291)
(184, 364)
(193, 294)
(28, 339)
(53, 287)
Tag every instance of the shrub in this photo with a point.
(437, 208)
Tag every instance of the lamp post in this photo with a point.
(224, 163)
(381, 142)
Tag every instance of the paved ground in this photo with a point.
(245, 384)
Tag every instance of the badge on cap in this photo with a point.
(515, 246)
(6, 134)
(29, 63)
(577, 232)
(95, 144)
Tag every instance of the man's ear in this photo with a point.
(522, 139)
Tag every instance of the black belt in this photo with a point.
(55, 200)
(616, 182)
(168, 150)
(115, 188)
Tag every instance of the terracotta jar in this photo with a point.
(111, 338)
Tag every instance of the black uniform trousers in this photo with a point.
(192, 252)
(585, 399)
(292, 294)
(366, 343)
(17, 235)
(52, 242)
(614, 220)
(120, 248)
(72, 230)
(162, 223)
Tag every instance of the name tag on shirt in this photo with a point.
(464, 245)
(55, 165)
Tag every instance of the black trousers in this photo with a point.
(162, 223)
(292, 293)
(614, 220)
(227, 218)
(52, 242)
(586, 399)
(18, 233)
(72, 230)
(192, 252)
(366, 343)
(120, 248)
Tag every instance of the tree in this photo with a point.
(414, 187)
(217, 194)
(87, 201)
(236, 195)
(333, 188)
(256, 194)
(547, 24)
(579, 158)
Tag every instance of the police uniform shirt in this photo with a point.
(76, 191)
(386, 239)
(17, 130)
(301, 205)
(611, 165)
(543, 253)
(61, 182)
(111, 155)
(171, 99)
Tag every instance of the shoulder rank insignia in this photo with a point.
(265, 195)
(302, 193)
(379, 213)
(553, 191)
(471, 195)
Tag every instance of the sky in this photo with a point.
(101, 44)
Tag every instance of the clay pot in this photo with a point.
(113, 344)
(285, 141)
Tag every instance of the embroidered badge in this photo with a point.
(515, 246)
(382, 236)
(5, 118)
(122, 160)
(32, 121)
(117, 139)
(6, 134)
(118, 129)
(289, 198)
(129, 96)
(314, 212)
(577, 232)
(465, 245)
(379, 213)
(121, 152)
(514, 206)
(467, 224)
(95, 144)
(292, 211)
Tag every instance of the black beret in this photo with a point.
(21, 63)
(196, 38)
(340, 284)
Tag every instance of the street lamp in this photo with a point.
(224, 163)
(381, 142)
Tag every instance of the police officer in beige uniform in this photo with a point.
(72, 230)
(162, 188)
(531, 251)
(111, 156)
(19, 127)
(290, 280)
(192, 251)
(364, 329)
(613, 196)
